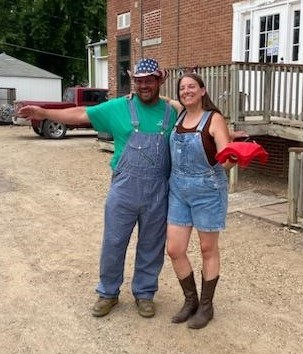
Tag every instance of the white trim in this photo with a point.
(152, 41)
(254, 9)
(123, 20)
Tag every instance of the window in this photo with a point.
(69, 95)
(296, 35)
(95, 96)
(267, 31)
(123, 20)
(269, 38)
(123, 62)
(247, 41)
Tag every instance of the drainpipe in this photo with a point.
(178, 32)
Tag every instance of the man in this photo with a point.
(138, 193)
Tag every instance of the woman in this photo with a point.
(198, 195)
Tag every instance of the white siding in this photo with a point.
(34, 89)
(101, 72)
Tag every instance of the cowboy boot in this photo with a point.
(205, 310)
(191, 299)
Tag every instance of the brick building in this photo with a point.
(177, 33)
(186, 34)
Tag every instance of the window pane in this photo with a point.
(296, 36)
(277, 22)
(268, 58)
(295, 53)
(297, 19)
(262, 41)
(247, 43)
(247, 29)
(269, 23)
(261, 56)
(124, 48)
(262, 24)
(124, 80)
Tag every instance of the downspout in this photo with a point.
(141, 29)
(178, 33)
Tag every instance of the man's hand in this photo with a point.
(32, 112)
(239, 134)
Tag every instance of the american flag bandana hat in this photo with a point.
(146, 67)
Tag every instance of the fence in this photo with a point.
(267, 92)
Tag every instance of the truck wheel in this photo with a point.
(38, 131)
(53, 130)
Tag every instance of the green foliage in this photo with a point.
(31, 31)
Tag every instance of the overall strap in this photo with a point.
(133, 114)
(181, 115)
(204, 119)
(166, 119)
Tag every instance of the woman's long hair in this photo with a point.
(207, 103)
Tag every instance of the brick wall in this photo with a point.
(152, 24)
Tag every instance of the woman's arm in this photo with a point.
(174, 103)
(219, 130)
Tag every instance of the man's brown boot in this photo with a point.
(191, 299)
(103, 306)
(146, 307)
(205, 310)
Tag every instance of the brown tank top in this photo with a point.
(207, 140)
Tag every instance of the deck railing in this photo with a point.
(263, 91)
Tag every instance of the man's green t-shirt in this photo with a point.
(114, 117)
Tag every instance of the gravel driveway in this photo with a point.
(52, 195)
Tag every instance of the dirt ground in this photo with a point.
(52, 195)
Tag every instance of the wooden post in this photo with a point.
(294, 184)
(233, 179)
(234, 119)
(267, 93)
(300, 203)
(234, 95)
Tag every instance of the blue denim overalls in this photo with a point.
(138, 193)
(198, 191)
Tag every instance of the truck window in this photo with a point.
(69, 95)
(96, 96)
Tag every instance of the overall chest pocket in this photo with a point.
(142, 152)
(181, 151)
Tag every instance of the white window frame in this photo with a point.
(123, 21)
(254, 10)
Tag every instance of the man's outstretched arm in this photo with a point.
(73, 115)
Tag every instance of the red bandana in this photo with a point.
(245, 152)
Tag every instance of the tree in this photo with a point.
(32, 31)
